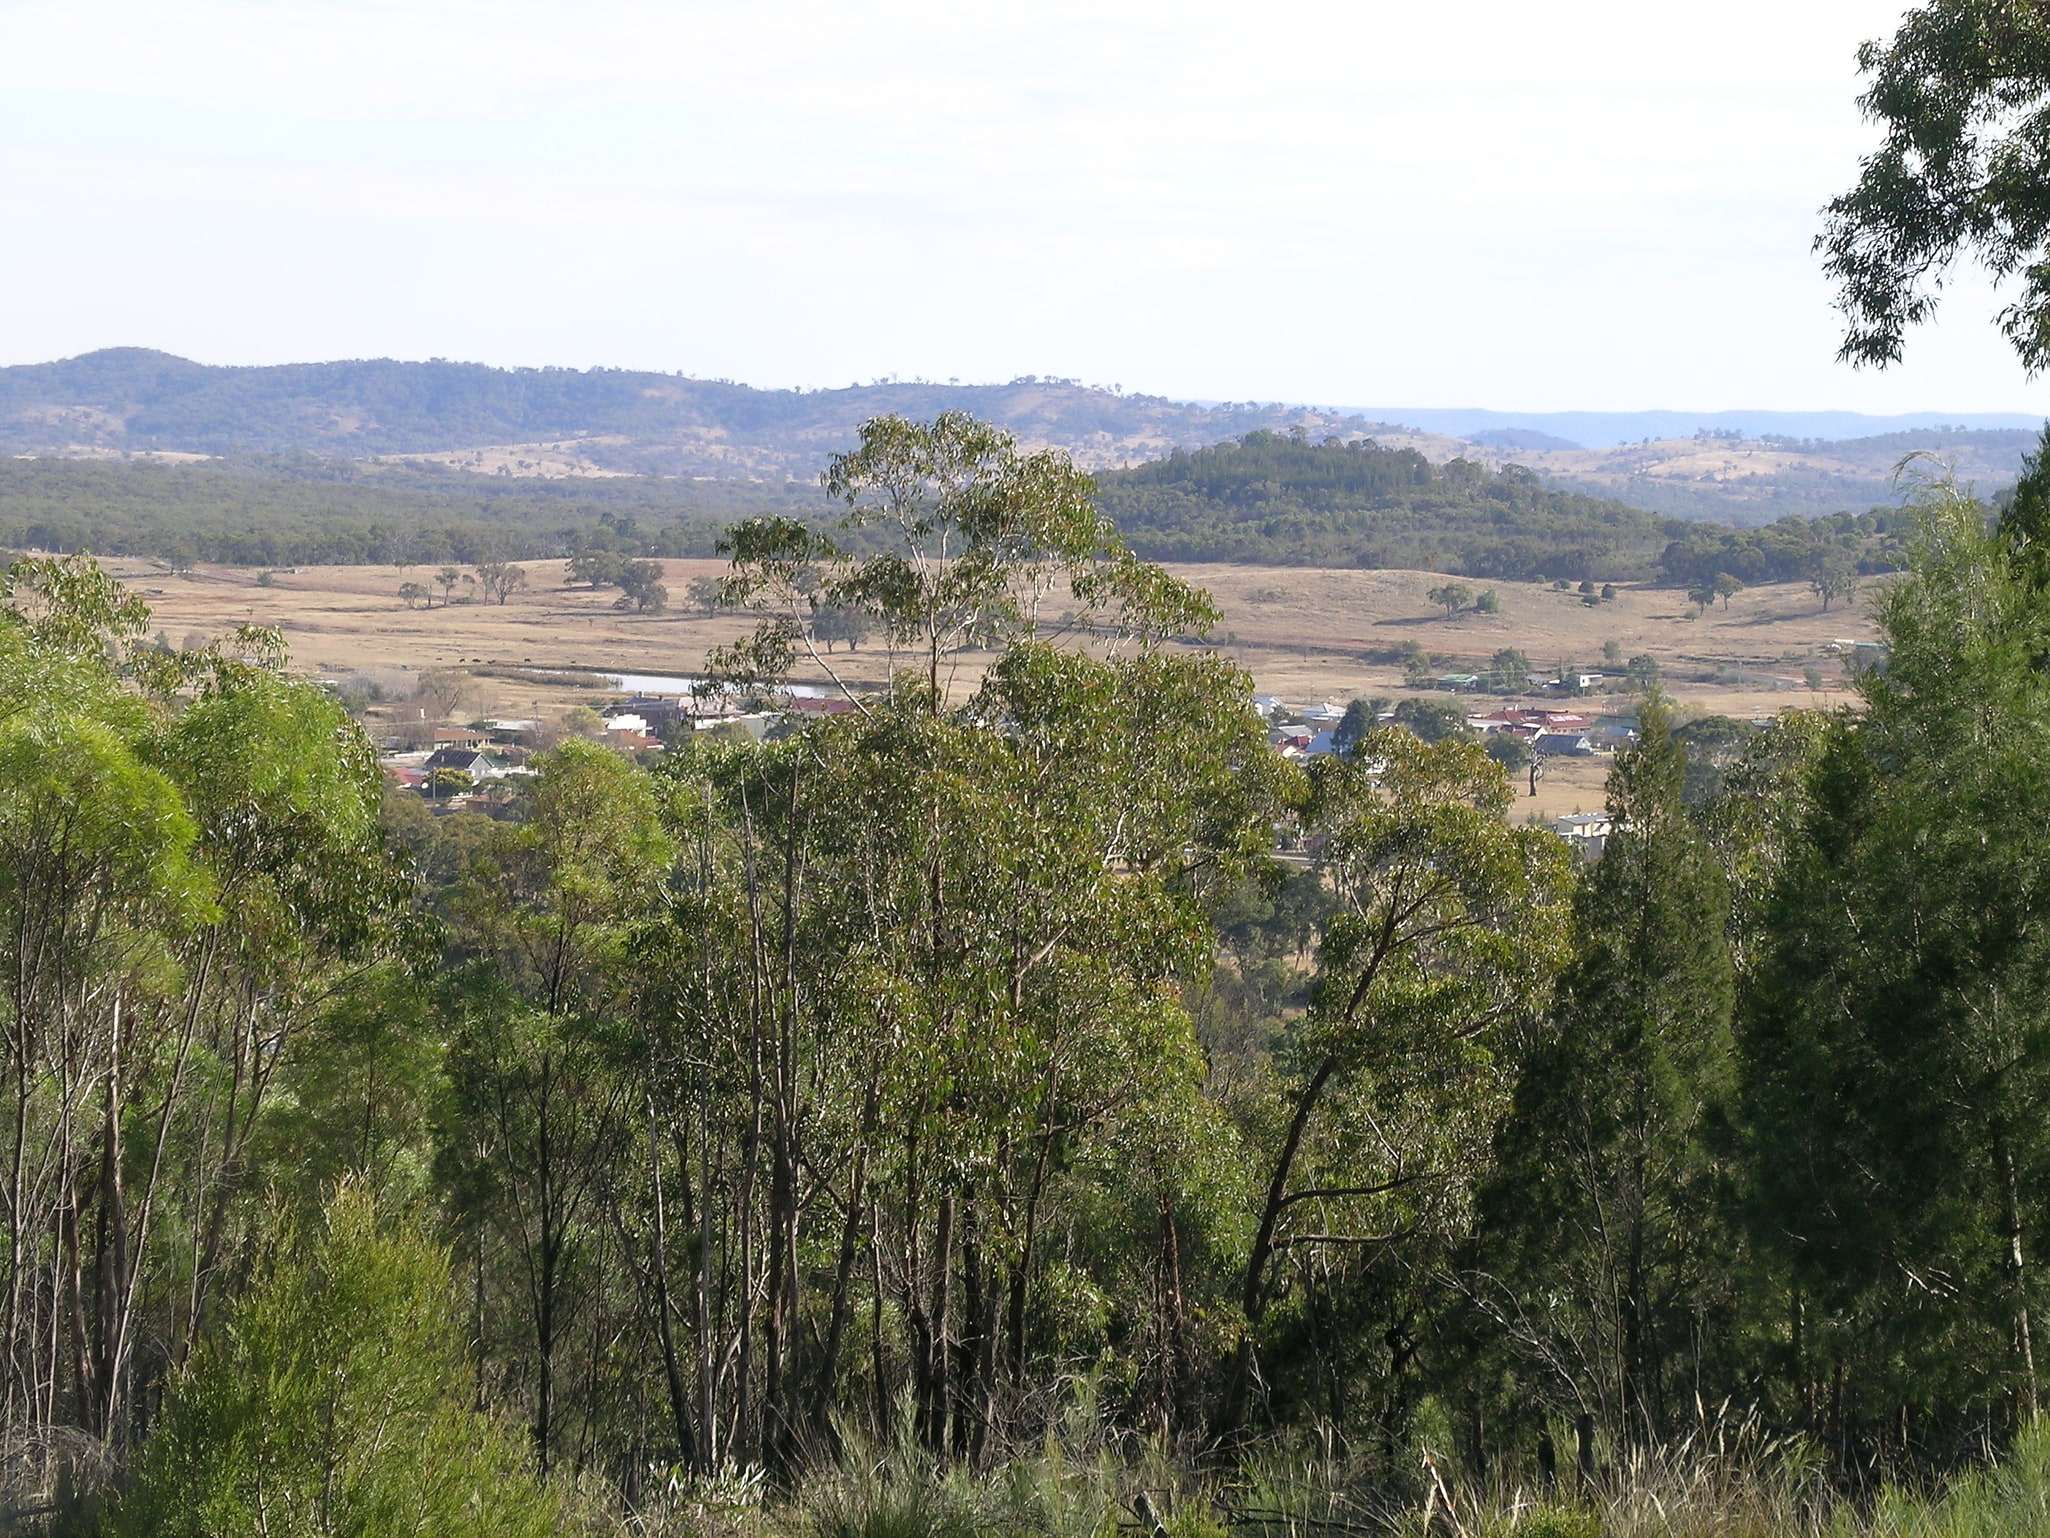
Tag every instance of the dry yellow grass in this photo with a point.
(1303, 633)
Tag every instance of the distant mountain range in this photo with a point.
(1733, 466)
(1608, 429)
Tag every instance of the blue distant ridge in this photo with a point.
(1606, 429)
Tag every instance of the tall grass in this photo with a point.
(1724, 1483)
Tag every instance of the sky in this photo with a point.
(1587, 205)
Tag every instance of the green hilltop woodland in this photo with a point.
(1276, 498)
(956, 1121)
(1265, 498)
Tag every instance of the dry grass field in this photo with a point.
(1302, 633)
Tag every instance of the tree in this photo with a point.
(1609, 1193)
(1361, 716)
(1451, 597)
(1487, 602)
(1510, 669)
(833, 623)
(501, 579)
(1702, 596)
(1643, 672)
(1447, 917)
(641, 589)
(334, 1402)
(1961, 95)
(1433, 720)
(539, 1112)
(447, 578)
(1726, 587)
(1833, 574)
(444, 691)
(970, 537)
(596, 568)
(1508, 749)
(1896, 1050)
(707, 593)
(412, 594)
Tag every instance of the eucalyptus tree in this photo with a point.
(952, 540)
(542, 920)
(1962, 94)
(1450, 926)
(192, 864)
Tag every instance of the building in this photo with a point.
(1587, 832)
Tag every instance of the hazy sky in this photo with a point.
(1357, 202)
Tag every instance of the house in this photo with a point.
(1566, 744)
(1587, 832)
(1459, 680)
(459, 737)
(478, 766)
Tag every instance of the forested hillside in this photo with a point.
(1020, 1115)
(1264, 499)
(1271, 497)
(298, 510)
(131, 399)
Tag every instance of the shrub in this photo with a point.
(333, 1402)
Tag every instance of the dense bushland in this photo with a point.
(953, 1115)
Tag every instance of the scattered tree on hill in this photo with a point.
(1726, 587)
(835, 623)
(596, 568)
(501, 579)
(1832, 575)
(413, 594)
(1452, 597)
(640, 588)
(707, 594)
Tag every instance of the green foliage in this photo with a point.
(1268, 497)
(1508, 750)
(333, 1401)
(295, 510)
(1434, 720)
(1609, 1192)
(1361, 716)
(1896, 1061)
(1706, 559)
(969, 540)
(1960, 94)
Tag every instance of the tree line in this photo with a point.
(934, 1064)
